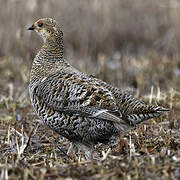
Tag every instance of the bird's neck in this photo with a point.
(52, 52)
(54, 45)
(46, 62)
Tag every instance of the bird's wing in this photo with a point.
(73, 94)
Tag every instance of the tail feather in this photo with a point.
(160, 109)
(142, 116)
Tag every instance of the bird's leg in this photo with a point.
(86, 149)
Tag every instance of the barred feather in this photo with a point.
(79, 107)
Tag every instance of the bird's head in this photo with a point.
(48, 29)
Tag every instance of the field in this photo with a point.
(134, 46)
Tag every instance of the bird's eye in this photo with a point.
(40, 24)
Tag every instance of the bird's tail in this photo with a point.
(139, 115)
(145, 113)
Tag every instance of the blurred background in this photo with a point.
(130, 44)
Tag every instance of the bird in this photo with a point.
(80, 107)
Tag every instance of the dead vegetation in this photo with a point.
(133, 46)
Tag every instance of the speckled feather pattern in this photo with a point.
(80, 107)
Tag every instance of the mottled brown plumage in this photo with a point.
(79, 107)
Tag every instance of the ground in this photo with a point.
(29, 150)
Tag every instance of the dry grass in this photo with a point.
(131, 45)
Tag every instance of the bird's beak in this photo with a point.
(31, 28)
